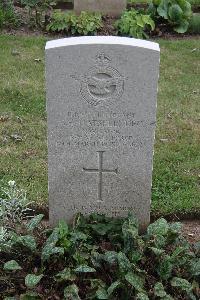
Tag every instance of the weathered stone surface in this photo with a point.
(101, 104)
(112, 7)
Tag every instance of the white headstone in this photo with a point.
(101, 104)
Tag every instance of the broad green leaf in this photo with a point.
(142, 296)
(113, 287)
(71, 292)
(97, 283)
(110, 257)
(11, 265)
(175, 13)
(78, 236)
(148, 21)
(159, 290)
(96, 259)
(139, 21)
(163, 9)
(49, 250)
(165, 268)
(195, 267)
(30, 296)
(101, 293)
(182, 27)
(84, 269)
(157, 251)
(31, 280)
(54, 237)
(159, 241)
(28, 241)
(66, 274)
(186, 8)
(136, 281)
(123, 262)
(159, 227)
(130, 226)
(10, 298)
(33, 223)
(175, 227)
(136, 256)
(63, 229)
(181, 283)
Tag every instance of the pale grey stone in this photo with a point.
(112, 7)
(101, 104)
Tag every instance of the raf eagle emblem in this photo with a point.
(101, 83)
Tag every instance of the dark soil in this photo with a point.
(191, 230)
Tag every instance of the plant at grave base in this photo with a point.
(102, 258)
(14, 206)
(8, 16)
(177, 13)
(194, 26)
(60, 21)
(38, 10)
(133, 23)
(84, 24)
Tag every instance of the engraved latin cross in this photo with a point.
(100, 171)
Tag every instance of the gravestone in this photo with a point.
(112, 7)
(101, 105)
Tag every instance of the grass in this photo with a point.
(23, 149)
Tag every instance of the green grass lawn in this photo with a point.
(23, 147)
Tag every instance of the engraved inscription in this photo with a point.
(100, 171)
(101, 83)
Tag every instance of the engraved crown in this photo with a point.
(102, 59)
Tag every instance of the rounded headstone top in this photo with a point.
(106, 40)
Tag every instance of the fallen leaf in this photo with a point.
(15, 52)
(4, 118)
(19, 119)
(16, 137)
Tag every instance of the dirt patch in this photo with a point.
(191, 230)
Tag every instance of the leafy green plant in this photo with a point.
(102, 258)
(194, 26)
(38, 10)
(14, 206)
(60, 21)
(134, 24)
(84, 24)
(8, 17)
(176, 12)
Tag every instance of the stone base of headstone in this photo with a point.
(111, 7)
